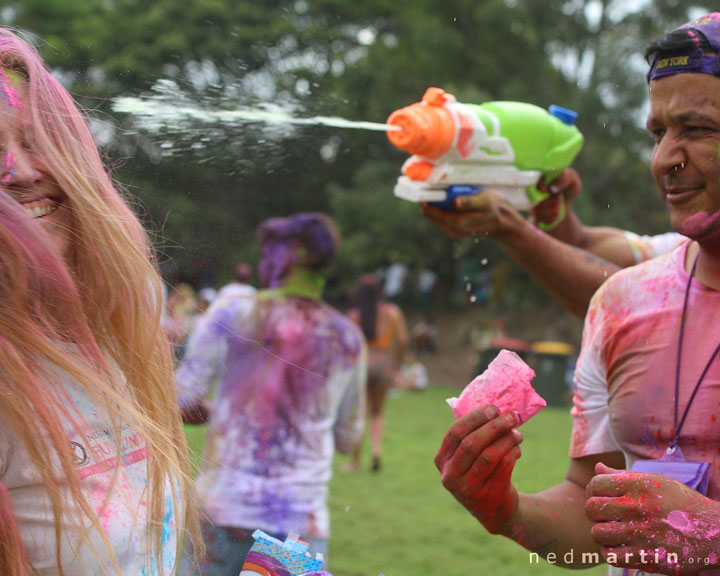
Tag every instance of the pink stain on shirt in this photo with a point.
(624, 382)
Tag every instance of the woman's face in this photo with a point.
(23, 175)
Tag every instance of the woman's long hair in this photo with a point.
(108, 305)
(367, 301)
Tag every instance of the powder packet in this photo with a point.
(506, 385)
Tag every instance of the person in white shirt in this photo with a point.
(291, 373)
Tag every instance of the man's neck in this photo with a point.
(708, 266)
(303, 283)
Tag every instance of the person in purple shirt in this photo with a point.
(290, 374)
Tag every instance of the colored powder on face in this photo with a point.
(9, 83)
(699, 223)
(9, 165)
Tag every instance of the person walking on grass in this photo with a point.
(383, 325)
(291, 391)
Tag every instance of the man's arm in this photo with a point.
(610, 244)
(202, 364)
(554, 522)
(569, 274)
(476, 460)
(569, 260)
(350, 422)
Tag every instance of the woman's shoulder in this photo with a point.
(390, 309)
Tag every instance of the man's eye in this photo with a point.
(698, 129)
(657, 134)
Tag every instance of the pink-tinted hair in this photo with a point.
(116, 291)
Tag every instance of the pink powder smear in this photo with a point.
(506, 385)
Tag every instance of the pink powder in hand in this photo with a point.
(506, 385)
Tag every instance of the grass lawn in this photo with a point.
(402, 522)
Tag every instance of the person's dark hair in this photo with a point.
(243, 273)
(308, 239)
(678, 40)
(367, 298)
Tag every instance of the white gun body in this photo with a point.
(476, 158)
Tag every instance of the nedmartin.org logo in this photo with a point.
(655, 557)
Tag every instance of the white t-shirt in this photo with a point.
(624, 381)
(124, 518)
(236, 289)
(647, 247)
(291, 389)
(394, 279)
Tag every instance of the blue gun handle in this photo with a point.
(454, 191)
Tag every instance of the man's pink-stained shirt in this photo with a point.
(625, 376)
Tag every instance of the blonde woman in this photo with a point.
(93, 462)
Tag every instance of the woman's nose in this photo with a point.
(18, 168)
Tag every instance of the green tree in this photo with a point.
(360, 61)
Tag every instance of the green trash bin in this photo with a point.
(550, 361)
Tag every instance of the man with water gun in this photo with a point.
(642, 488)
(473, 167)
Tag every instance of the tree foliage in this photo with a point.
(357, 60)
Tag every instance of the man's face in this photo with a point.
(685, 120)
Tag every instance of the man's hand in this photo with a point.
(562, 190)
(488, 214)
(647, 521)
(476, 459)
(483, 214)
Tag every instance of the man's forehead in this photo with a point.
(691, 91)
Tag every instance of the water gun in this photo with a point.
(457, 149)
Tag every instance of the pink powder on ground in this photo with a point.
(506, 385)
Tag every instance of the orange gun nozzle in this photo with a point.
(418, 171)
(427, 130)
